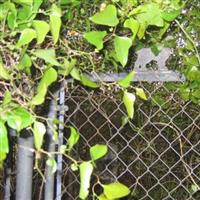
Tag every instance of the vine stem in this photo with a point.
(190, 39)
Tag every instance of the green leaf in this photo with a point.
(86, 169)
(97, 151)
(73, 139)
(122, 45)
(96, 38)
(140, 92)
(115, 190)
(149, 14)
(53, 164)
(7, 98)
(2, 158)
(48, 55)
(55, 22)
(27, 2)
(129, 100)
(171, 16)
(39, 130)
(19, 118)
(4, 72)
(39, 98)
(26, 37)
(42, 28)
(133, 25)
(67, 67)
(103, 197)
(192, 73)
(87, 82)
(12, 16)
(126, 82)
(74, 167)
(48, 78)
(106, 17)
(75, 74)
(4, 146)
(25, 64)
(14, 122)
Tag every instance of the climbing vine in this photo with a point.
(37, 51)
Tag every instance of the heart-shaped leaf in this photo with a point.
(42, 28)
(4, 72)
(86, 169)
(53, 164)
(19, 118)
(67, 67)
(27, 2)
(48, 55)
(4, 147)
(26, 37)
(126, 82)
(122, 45)
(95, 38)
(97, 151)
(140, 92)
(48, 78)
(106, 17)
(115, 190)
(39, 130)
(129, 100)
(87, 82)
(133, 25)
(73, 139)
(55, 22)
(39, 98)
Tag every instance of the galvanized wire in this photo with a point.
(156, 154)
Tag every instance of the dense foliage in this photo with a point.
(44, 42)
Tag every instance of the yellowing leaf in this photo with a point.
(129, 100)
(42, 28)
(140, 93)
(115, 190)
(39, 130)
(106, 17)
(86, 169)
(95, 38)
(55, 22)
(53, 164)
(26, 37)
(122, 45)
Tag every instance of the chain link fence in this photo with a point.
(157, 154)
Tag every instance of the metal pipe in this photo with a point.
(60, 142)
(50, 178)
(24, 169)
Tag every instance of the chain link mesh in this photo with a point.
(156, 154)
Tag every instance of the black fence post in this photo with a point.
(24, 168)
